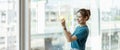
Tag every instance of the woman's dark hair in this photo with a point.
(84, 12)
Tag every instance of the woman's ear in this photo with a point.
(86, 18)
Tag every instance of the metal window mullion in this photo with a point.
(21, 10)
(24, 25)
(27, 25)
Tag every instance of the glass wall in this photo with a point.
(9, 24)
(37, 9)
(47, 33)
(46, 30)
(110, 24)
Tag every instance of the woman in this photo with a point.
(79, 37)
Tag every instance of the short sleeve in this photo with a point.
(81, 34)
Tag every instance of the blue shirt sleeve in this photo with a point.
(80, 34)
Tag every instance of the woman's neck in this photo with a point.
(82, 24)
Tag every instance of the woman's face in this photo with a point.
(80, 19)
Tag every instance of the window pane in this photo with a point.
(9, 24)
(110, 24)
(47, 33)
(46, 30)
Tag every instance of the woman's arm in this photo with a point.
(67, 33)
(69, 37)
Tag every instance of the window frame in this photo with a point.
(24, 21)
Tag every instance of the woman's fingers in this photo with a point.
(63, 22)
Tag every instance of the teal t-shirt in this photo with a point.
(81, 33)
